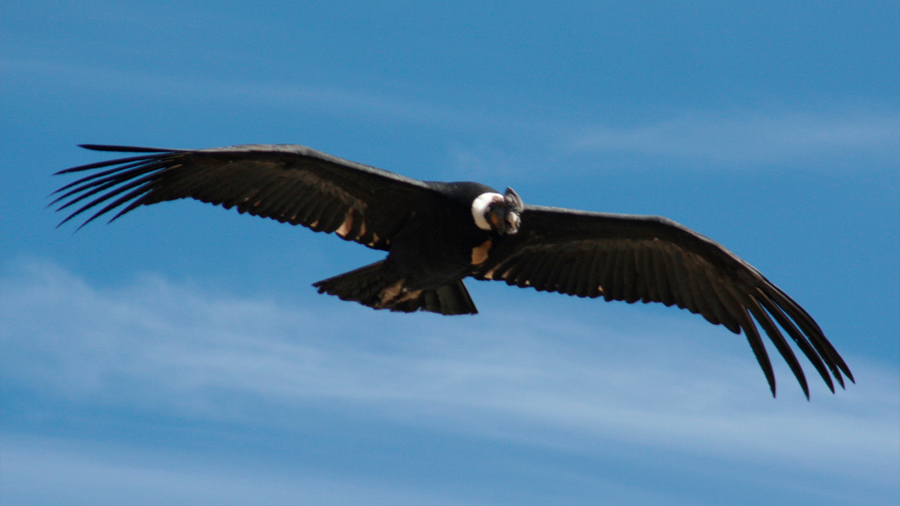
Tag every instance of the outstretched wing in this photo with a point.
(288, 183)
(652, 259)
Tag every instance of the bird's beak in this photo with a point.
(512, 222)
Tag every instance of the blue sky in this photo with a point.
(181, 355)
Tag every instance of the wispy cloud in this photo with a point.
(54, 470)
(531, 378)
(731, 137)
(267, 93)
(753, 137)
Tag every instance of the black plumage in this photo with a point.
(436, 234)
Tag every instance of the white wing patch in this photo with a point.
(480, 253)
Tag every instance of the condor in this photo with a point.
(437, 234)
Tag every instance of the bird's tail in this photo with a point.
(372, 287)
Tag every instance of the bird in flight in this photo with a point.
(436, 234)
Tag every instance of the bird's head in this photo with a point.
(498, 213)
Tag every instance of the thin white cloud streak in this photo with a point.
(751, 137)
(524, 377)
(719, 137)
(56, 471)
(276, 94)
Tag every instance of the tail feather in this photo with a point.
(373, 287)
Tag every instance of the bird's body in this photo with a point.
(436, 234)
(437, 246)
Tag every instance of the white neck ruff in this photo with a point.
(480, 205)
